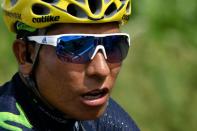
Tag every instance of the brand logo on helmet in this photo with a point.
(46, 19)
(12, 14)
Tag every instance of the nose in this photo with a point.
(98, 66)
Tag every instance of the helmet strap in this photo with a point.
(30, 80)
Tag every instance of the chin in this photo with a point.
(91, 114)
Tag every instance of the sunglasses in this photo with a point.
(82, 48)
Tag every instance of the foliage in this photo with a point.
(8, 63)
(157, 83)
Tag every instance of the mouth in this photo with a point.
(96, 97)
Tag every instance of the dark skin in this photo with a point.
(62, 84)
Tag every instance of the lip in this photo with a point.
(95, 102)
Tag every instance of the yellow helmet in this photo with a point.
(43, 13)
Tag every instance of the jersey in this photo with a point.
(20, 110)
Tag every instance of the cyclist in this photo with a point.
(69, 54)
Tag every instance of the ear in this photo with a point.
(21, 52)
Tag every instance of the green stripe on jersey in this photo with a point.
(20, 119)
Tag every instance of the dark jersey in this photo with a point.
(20, 110)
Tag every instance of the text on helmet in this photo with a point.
(46, 19)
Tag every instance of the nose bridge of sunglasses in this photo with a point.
(99, 47)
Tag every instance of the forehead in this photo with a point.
(84, 28)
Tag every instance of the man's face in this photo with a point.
(80, 91)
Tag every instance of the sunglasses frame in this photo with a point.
(53, 40)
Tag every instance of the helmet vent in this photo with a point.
(81, 1)
(76, 11)
(107, 1)
(111, 10)
(39, 9)
(128, 8)
(50, 1)
(95, 6)
(13, 2)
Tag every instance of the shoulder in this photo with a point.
(7, 99)
(8, 95)
(12, 116)
(115, 118)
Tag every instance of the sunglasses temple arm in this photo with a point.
(129, 39)
(44, 40)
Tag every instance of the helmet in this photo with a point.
(43, 13)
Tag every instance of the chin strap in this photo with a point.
(55, 114)
(30, 80)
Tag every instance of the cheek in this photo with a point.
(58, 82)
(114, 73)
(115, 69)
(57, 75)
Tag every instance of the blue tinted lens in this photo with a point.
(79, 49)
(116, 48)
(76, 49)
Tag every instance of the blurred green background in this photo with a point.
(157, 84)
